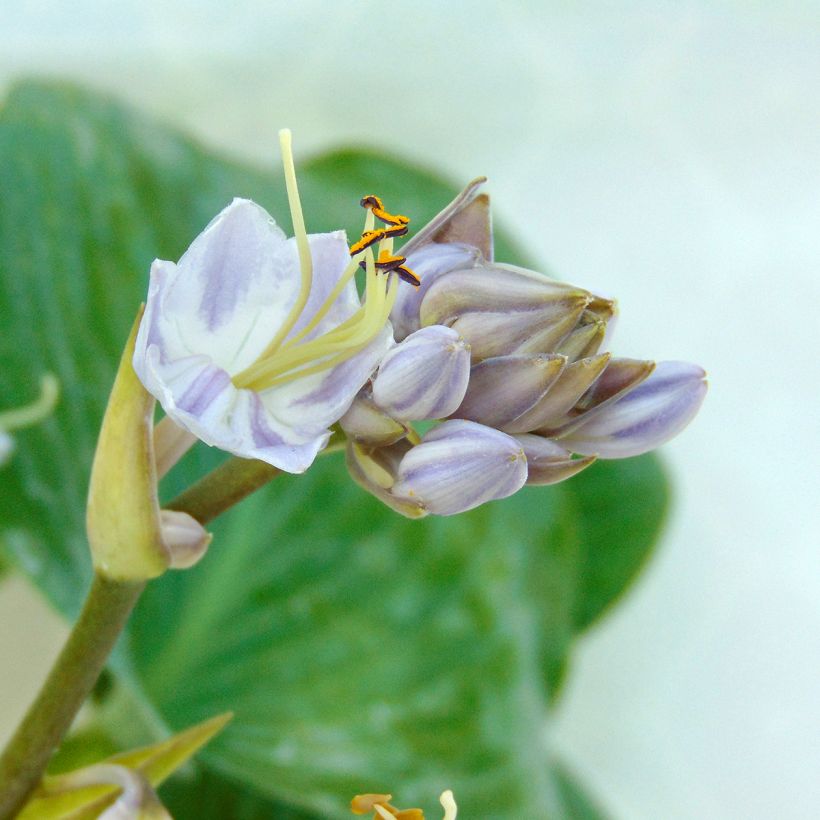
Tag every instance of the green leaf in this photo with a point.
(359, 651)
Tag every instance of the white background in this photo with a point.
(668, 153)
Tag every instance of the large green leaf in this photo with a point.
(359, 651)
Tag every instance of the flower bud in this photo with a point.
(460, 465)
(552, 409)
(428, 263)
(185, 539)
(501, 310)
(495, 288)
(466, 219)
(425, 376)
(619, 376)
(499, 333)
(503, 388)
(375, 470)
(584, 341)
(548, 462)
(368, 424)
(643, 418)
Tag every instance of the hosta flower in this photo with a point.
(539, 383)
(21, 417)
(257, 343)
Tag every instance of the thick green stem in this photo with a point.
(223, 487)
(22, 764)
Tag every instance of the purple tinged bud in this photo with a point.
(466, 219)
(643, 418)
(503, 388)
(495, 288)
(366, 423)
(521, 331)
(428, 262)
(619, 376)
(552, 409)
(584, 341)
(548, 462)
(184, 537)
(460, 465)
(425, 376)
(374, 470)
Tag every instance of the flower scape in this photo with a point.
(261, 345)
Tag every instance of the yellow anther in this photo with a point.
(368, 239)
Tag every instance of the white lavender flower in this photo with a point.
(256, 343)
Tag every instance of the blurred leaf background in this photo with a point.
(359, 651)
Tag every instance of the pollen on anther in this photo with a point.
(368, 238)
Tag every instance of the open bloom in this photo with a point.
(539, 383)
(257, 343)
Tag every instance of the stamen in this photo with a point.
(371, 201)
(388, 218)
(295, 358)
(448, 803)
(396, 230)
(368, 239)
(407, 275)
(388, 263)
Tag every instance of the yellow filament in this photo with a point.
(380, 301)
(302, 244)
(281, 363)
(351, 269)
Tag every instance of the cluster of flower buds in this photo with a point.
(512, 364)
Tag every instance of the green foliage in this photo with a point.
(359, 651)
